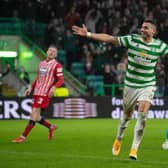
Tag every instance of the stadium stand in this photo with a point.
(50, 22)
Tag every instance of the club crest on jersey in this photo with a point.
(43, 71)
(143, 53)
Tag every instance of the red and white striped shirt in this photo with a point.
(48, 73)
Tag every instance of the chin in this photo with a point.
(50, 57)
(144, 36)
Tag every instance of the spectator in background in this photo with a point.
(61, 8)
(109, 77)
(160, 75)
(15, 15)
(30, 16)
(163, 30)
(124, 26)
(7, 69)
(165, 63)
(116, 18)
(115, 14)
(135, 26)
(2, 74)
(103, 27)
(88, 61)
(55, 32)
(92, 19)
(72, 17)
(69, 42)
(23, 75)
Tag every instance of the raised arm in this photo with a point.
(82, 31)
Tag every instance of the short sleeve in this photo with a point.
(164, 50)
(125, 40)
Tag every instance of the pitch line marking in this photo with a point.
(86, 157)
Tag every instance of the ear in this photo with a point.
(154, 30)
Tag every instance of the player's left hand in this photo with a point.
(51, 92)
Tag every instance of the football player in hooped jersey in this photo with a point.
(143, 53)
(49, 77)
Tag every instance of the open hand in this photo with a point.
(82, 31)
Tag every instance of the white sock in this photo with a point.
(139, 129)
(123, 124)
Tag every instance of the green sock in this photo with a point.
(167, 135)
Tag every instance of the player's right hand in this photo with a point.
(82, 31)
(28, 91)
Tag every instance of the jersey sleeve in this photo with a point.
(59, 75)
(164, 49)
(125, 40)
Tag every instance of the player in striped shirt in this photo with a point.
(143, 53)
(49, 77)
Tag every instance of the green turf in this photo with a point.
(84, 143)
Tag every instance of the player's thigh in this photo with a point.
(35, 113)
(145, 97)
(146, 94)
(129, 100)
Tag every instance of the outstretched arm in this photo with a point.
(82, 31)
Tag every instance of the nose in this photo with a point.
(142, 29)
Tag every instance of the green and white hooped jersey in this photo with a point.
(142, 58)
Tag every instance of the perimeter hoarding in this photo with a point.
(87, 107)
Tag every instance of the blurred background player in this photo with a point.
(143, 53)
(167, 135)
(49, 77)
(165, 143)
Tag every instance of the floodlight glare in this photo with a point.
(8, 54)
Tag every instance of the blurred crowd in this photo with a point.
(116, 17)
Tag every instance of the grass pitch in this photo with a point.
(80, 143)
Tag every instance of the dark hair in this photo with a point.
(150, 21)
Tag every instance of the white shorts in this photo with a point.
(133, 95)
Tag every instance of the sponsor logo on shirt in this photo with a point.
(142, 59)
(43, 71)
(59, 70)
